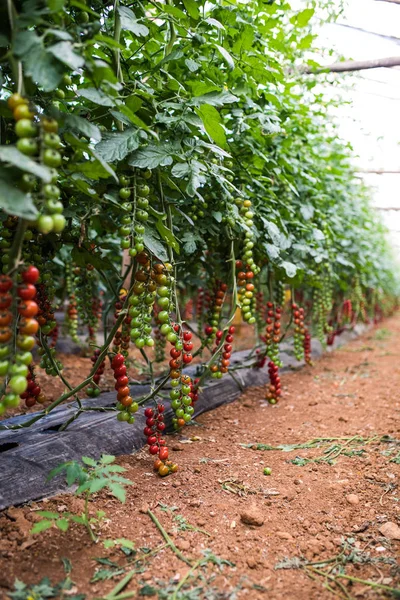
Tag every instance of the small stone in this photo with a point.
(177, 448)
(312, 403)
(144, 508)
(251, 563)
(390, 530)
(183, 544)
(284, 535)
(352, 499)
(252, 516)
(196, 470)
(343, 419)
(297, 481)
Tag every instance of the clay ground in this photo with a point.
(245, 534)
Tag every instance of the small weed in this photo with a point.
(91, 478)
(332, 571)
(44, 590)
(382, 334)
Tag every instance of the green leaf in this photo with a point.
(107, 459)
(226, 56)
(115, 146)
(130, 23)
(15, 202)
(214, 99)
(88, 461)
(153, 156)
(12, 156)
(96, 96)
(83, 126)
(192, 65)
(290, 268)
(174, 11)
(47, 513)
(302, 18)
(192, 9)
(62, 524)
(154, 245)
(98, 484)
(212, 123)
(126, 543)
(41, 526)
(64, 52)
(43, 68)
(167, 236)
(118, 491)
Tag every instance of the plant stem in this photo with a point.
(166, 537)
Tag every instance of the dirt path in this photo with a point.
(258, 528)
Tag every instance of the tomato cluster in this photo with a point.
(33, 392)
(42, 140)
(125, 404)
(347, 311)
(182, 387)
(273, 332)
(214, 302)
(299, 331)
(307, 347)
(218, 370)
(14, 368)
(274, 390)
(153, 431)
(246, 292)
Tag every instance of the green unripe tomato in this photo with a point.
(163, 303)
(59, 222)
(51, 158)
(143, 191)
(4, 365)
(60, 94)
(82, 18)
(27, 146)
(163, 317)
(18, 384)
(140, 229)
(66, 80)
(125, 243)
(55, 207)
(267, 471)
(187, 418)
(124, 193)
(179, 345)
(172, 337)
(175, 405)
(179, 413)
(165, 328)
(51, 191)
(124, 230)
(131, 420)
(45, 224)
(25, 128)
(142, 215)
(119, 406)
(135, 334)
(186, 400)
(123, 180)
(132, 252)
(4, 352)
(139, 246)
(163, 291)
(134, 407)
(252, 320)
(143, 203)
(52, 141)
(140, 342)
(147, 174)
(189, 410)
(11, 400)
(134, 300)
(123, 416)
(149, 342)
(175, 383)
(185, 389)
(174, 394)
(18, 370)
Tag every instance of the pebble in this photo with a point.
(252, 516)
(390, 530)
(284, 535)
(183, 544)
(352, 499)
(144, 508)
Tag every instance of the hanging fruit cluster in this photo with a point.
(273, 332)
(153, 431)
(40, 139)
(218, 369)
(323, 304)
(307, 347)
(14, 366)
(246, 292)
(33, 392)
(125, 405)
(215, 302)
(299, 331)
(274, 390)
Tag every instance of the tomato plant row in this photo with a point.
(166, 165)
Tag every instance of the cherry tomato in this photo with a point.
(30, 275)
(163, 470)
(5, 318)
(15, 100)
(28, 309)
(163, 454)
(5, 284)
(27, 291)
(29, 326)
(22, 112)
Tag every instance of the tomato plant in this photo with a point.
(166, 167)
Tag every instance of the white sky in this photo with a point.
(370, 121)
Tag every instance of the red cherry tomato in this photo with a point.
(187, 336)
(27, 291)
(117, 361)
(149, 412)
(28, 309)
(5, 284)
(30, 275)
(163, 454)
